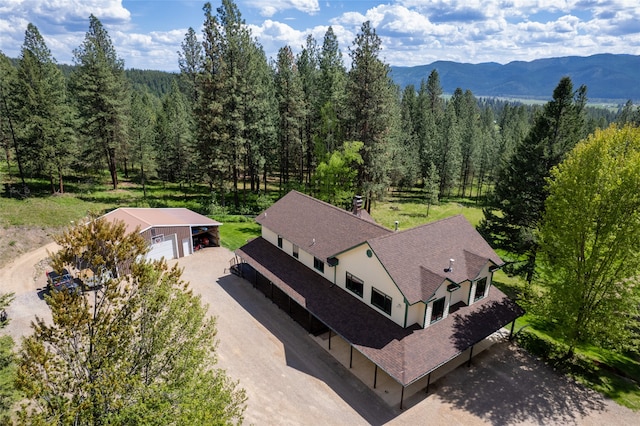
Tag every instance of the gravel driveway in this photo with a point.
(291, 380)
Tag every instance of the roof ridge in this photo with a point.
(424, 225)
(127, 211)
(346, 212)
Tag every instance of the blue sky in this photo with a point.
(147, 34)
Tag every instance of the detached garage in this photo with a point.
(170, 232)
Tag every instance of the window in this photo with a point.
(437, 312)
(481, 288)
(295, 251)
(280, 241)
(381, 300)
(318, 264)
(356, 285)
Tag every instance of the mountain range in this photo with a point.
(608, 77)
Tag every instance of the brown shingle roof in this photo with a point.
(405, 354)
(146, 218)
(317, 227)
(416, 258)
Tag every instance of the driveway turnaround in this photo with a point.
(290, 379)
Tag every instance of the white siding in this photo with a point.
(440, 293)
(415, 315)
(371, 272)
(461, 294)
(304, 257)
(484, 273)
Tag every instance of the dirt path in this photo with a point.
(25, 277)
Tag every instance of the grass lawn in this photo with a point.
(234, 234)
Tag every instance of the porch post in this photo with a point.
(351, 356)
(513, 324)
(329, 339)
(470, 356)
(401, 396)
(375, 376)
(428, 383)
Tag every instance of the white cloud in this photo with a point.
(271, 7)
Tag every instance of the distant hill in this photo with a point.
(607, 77)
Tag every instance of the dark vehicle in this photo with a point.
(62, 282)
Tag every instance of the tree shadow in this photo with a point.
(510, 386)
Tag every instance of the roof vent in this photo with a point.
(450, 268)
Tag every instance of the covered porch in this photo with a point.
(411, 357)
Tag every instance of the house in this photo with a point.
(409, 301)
(171, 232)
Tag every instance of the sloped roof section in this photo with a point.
(418, 259)
(406, 354)
(145, 218)
(318, 227)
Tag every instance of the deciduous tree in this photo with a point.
(140, 350)
(590, 240)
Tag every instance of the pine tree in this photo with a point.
(520, 190)
(174, 139)
(290, 97)
(371, 103)
(102, 97)
(331, 95)
(307, 65)
(142, 136)
(46, 138)
(8, 115)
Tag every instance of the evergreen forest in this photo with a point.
(241, 123)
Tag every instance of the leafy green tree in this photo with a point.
(520, 190)
(7, 366)
(101, 94)
(590, 240)
(137, 351)
(335, 178)
(371, 104)
(45, 136)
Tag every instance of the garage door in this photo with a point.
(164, 249)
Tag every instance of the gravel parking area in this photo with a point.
(291, 380)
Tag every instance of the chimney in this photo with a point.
(357, 204)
